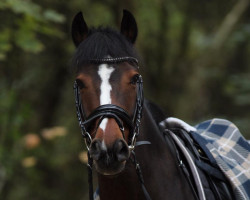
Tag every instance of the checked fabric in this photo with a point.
(226, 147)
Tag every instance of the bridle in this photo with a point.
(111, 110)
(116, 112)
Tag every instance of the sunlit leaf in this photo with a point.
(53, 16)
(25, 7)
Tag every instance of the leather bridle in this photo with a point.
(110, 110)
(119, 114)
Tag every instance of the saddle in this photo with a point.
(202, 171)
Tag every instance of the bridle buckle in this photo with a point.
(87, 140)
(133, 142)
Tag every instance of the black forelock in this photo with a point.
(100, 43)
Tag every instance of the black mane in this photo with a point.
(100, 43)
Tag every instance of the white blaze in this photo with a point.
(105, 98)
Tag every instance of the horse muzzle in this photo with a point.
(109, 160)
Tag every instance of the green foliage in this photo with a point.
(29, 20)
(53, 16)
(25, 36)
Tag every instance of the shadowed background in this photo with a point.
(196, 66)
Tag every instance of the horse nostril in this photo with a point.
(95, 149)
(122, 150)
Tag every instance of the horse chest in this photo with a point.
(123, 187)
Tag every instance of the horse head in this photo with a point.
(108, 91)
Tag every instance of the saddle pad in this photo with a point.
(229, 150)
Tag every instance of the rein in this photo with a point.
(117, 113)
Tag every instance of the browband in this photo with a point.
(110, 60)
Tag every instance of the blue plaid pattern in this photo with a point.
(229, 150)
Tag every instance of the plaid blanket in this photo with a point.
(228, 148)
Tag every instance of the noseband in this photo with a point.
(110, 110)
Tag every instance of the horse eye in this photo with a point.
(134, 79)
(80, 84)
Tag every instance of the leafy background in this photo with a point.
(195, 65)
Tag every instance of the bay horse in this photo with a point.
(116, 122)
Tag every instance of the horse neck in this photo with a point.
(159, 168)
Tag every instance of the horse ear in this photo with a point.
(129, 26)
(79, 29)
